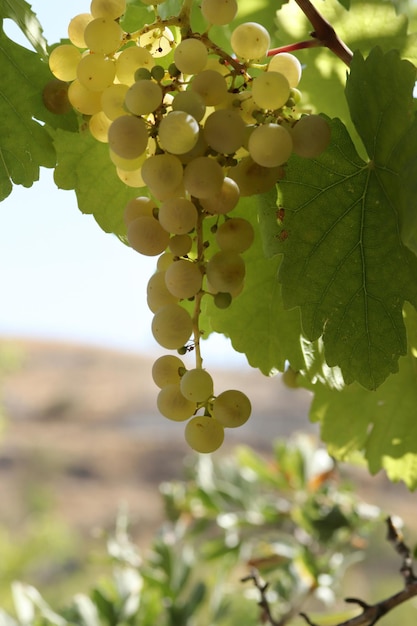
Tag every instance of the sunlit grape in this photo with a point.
(204, 434)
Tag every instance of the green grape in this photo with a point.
(253, 179)
(158, 73)
(83, 100)
(165, 260)
(128, 136)
(143, 74)
(63, 62)
(311, 136)
(172, 326)
(223, 201)
(178, 132)
(131, 178)
(180, 245)
(163, 175)
(129, 60)
(250, 41)
(224, 131)
(288, 65)
(232, 408)
(211, 86)
(235, 234)
(270, 90)
(226, 271)
(95, 72)
(204, 434)
(200, 149)
(197, 385)
(183, 279)
(112, 101)
(55, 97)
(173, 405)
(99, 125)
(146, 235)
(103, 35)
(222, 299)
(127, 165)
(203, 177)
(219, 12)
(178, 215)
(159, 41)
(76, 29)
(137, 207)
(190, 56)
(189, 102)
(143, 97)
(270, 145)
(167, 370)
(157, 293)
(111, 9)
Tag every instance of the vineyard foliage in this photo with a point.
(331, 280)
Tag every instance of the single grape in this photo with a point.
(103, 35)
(63, 62)
(222, 299)
(137, 207)
(203, 177)
(224, 131)
(112, 101)
(99, 125)
(166, 370)
(157, 293)
(96, 72)
(178, 132)
(253, 179)
(158, 73)
(178, 215)
(143, 97)
(163, 175)
(180, 245)
(204, 434)
(211, 86)
(183, 279)
(190, 102)
(290, 378)
(111, 9)
(146, 235)
(76, 29)
(172, 326)
(197, 385)
(270, 145)
(55, 97)
(128, 136)
(129, 60)
(235, 234)
(232, 408)
(226, 271)
(219, 12)
(311, 136)
(172, 404)
(165, 260)
(83, 100)
(224, 200)
(270, 90)
(131, 178)
(190, 56)
(288, 65)
(250, 41)
(127, 165)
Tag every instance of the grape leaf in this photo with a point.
(24, 144)
(344, 262)
(382, 423)
(83, 164)
(21, 13)
(256, 321)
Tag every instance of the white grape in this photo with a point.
(76, 29)
(172, 326)
(203, 177)
(178, 132)
(178, 215)
(82, 99)
(250, 41)
(197, 385)
(219, 12)
(96, 72)
(157, 293)
(99, 125)
(211, 86)
(183, 279)
(204, 434)
(311, 136)
(224, 131)
(143, 97)
(63, 62)
(288, 65)
(231, 408)
(226, 271)
(163, 175)
(235, 234)
(253, 179)
(172, 404)
(190, 56)
(103, 35)
(180, 245)
(190, 102)
(112, 101)
(128, 136)
(270, 145)
(137, 207)
(166, 370)
(111, 9)
(131, 59)
(270, 90)
(146, 235)
(224, 200)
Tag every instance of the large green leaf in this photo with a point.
(382, 424)
(24, 143)
(21, 13)
(344, 262)
(85, 166)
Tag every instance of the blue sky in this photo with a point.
(61, 276)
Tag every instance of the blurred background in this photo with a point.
(81, 437)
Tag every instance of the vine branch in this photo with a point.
(371, 613)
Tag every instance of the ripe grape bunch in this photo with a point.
(194, 127)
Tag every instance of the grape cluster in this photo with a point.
(195, 128)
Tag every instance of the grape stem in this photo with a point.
(199, 295)
(323, 35)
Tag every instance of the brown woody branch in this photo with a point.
(371, 613)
